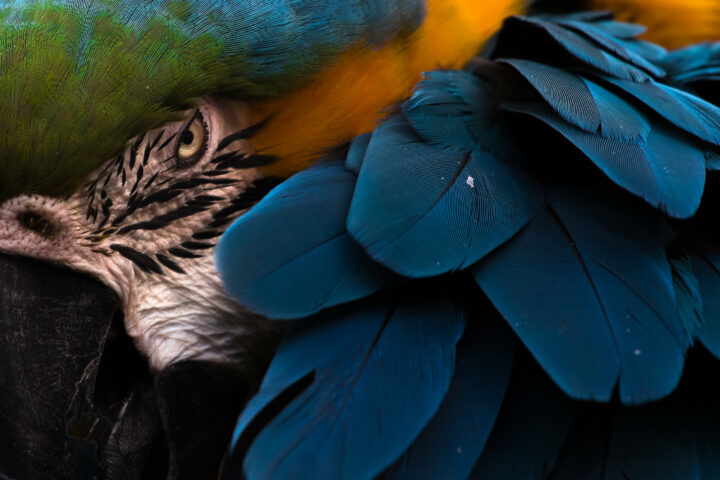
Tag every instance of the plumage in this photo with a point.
(706, 267)
(290, 241)
(531, 428)
(375, 375)
(107, 71)
(445, 210)
(451, 443)
(693, 64)
(617, 322)
(687, 112)
(670, 23)
(596, 283)
(584, 103)
(666, 170)
(562, 42)
(351, 96)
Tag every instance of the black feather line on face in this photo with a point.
(151, 181)
(223, 157)
(182, 253)
(251, 161)
(207, 235)
(151, 146)
(197, 245)
(216, 173)
(169, 263)
(144, 262)
(241, 135)
(138, 178)
(134, 150)
(165, 219)
(167, 142)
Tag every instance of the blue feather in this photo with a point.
(356, 152)
(696, 63)
(453, 110)
(451, 443)
(584, 103)
(422, 211)
(624, 50)
(706, 266)
(687, 112)
(531, 428)
(653, 442)
(667, 171)
(372, 375)
(538, 32)
(712, 160)
(687, 296)
(620, 30)
(290, 256)
(588, 289)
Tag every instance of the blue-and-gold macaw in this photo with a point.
(465, 243)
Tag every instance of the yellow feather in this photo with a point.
(671, 23)
(351, 96)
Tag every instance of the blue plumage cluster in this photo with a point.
(559, 192)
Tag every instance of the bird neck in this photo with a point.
(350, 97)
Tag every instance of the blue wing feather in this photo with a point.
(624, 50)
(531, 428)
(452, 110)
(706, 266)
(687, 112)
(588, 289)
(422, 211)
(451, 443)
(584, 103)
(687, 296)
(667, 171)
(290, 256)
(380, 371)
(356, 152)
(584, 51)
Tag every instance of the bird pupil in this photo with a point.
(187, 137)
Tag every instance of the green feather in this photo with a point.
(78, 79)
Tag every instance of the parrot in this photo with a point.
(298, 239)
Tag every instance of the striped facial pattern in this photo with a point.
(146, 223)
(180, 182)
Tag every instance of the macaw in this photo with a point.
(134, 135)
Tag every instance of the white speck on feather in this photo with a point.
(470, 181)
(638, 352)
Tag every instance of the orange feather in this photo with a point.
(351, 96)
(671, 23)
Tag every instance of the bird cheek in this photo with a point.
(48, 229)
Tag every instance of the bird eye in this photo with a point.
(192, 141)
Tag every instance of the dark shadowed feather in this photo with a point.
(381, 370)
(667, 170)
(706, 266)
(451, 443)
(530, 430)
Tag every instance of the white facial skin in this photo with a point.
(146, 224)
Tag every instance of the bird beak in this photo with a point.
(70, 396)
